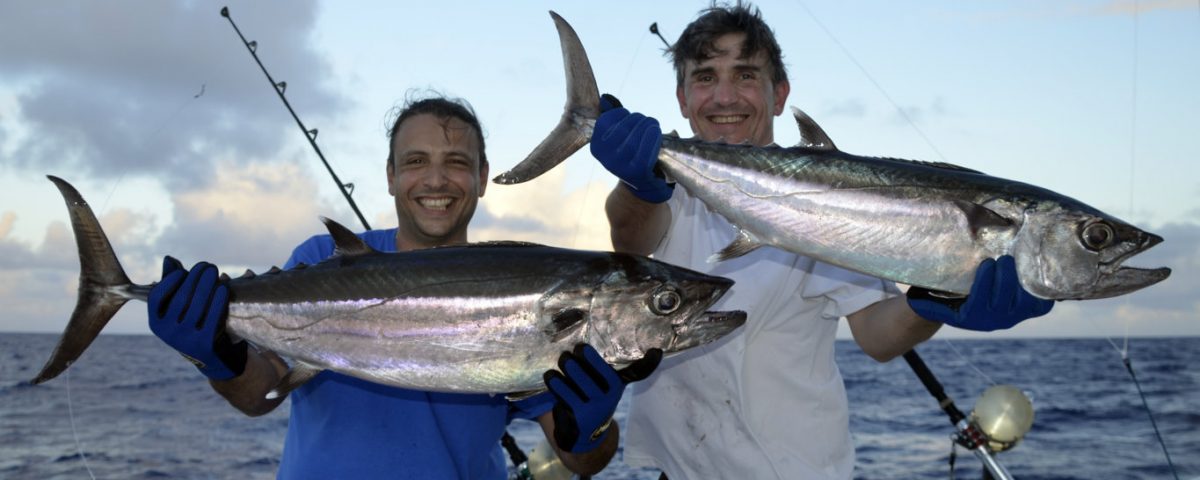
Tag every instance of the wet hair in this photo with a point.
(698, 41)
(444, 108)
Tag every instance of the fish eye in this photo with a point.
(1097, 235)
(665, 301)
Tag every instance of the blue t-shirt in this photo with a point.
(344, 427)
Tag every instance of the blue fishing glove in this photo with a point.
(997, 300)
(187, 311)
(627, 145)
(587, 392)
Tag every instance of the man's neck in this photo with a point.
(404, 244)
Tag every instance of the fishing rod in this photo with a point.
(969, 434)
(310, 134)
(654, 30)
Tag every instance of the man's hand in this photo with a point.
(587, 392)
(997, 300)
(627, 145)
(187, 311)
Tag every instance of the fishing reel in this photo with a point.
(541, 464)
(1003, 414)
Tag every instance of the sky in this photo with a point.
(159, 115)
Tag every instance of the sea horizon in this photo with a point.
(134, 409)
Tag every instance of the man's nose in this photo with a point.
(725, 93)
(436, 176)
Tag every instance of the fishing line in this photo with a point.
(587, 190)
(1133, 124)
(104, 208)
(153, 135)
(910, 122)
(74, 432)
(879, 87)
(969, 362)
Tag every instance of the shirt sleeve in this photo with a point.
(532, 407)
(313, 250)
(849, 291)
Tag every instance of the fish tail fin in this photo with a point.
(574, 129)
(103, 285)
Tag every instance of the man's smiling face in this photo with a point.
(731, 99)
(436, 178)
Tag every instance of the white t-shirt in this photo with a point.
(766, 401)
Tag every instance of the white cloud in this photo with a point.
(110, 87)
(541, 211)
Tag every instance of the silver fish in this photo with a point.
(918, 223)
(482, 318)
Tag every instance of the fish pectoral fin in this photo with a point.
(297, 376)
(745, 243)
(518, 396)
(981, 218)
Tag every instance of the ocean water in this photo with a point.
(130, 408)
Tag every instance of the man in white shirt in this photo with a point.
(767, 401)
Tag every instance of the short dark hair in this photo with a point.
(698, 41)
(444, 108)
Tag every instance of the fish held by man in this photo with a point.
(481, 318)
(918, 223)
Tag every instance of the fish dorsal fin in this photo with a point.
(811, 134)
(247, 274)
(981, 218)
(673, 134)
(745, 243)
(297, 376)
(345, 242)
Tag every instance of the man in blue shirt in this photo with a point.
(344, 427)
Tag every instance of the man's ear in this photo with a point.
(391, 182)
(782, 89)
(679, 95)
(483, 178)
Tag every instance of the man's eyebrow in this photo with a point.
(739, 67)
(703, 71)
(747, 66)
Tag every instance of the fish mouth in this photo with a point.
(704, 329)
(1119, 280)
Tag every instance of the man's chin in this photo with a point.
(727, 136)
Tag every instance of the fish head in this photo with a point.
(647, 304)
(1079, 253)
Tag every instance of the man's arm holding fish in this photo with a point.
(887, 329)
(586, 391)
(627, 145)
(187, 311)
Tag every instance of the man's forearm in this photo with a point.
(248, 392)
(886, 329)
(586, 463)
(636, 226)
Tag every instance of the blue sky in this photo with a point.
(1092, 99)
